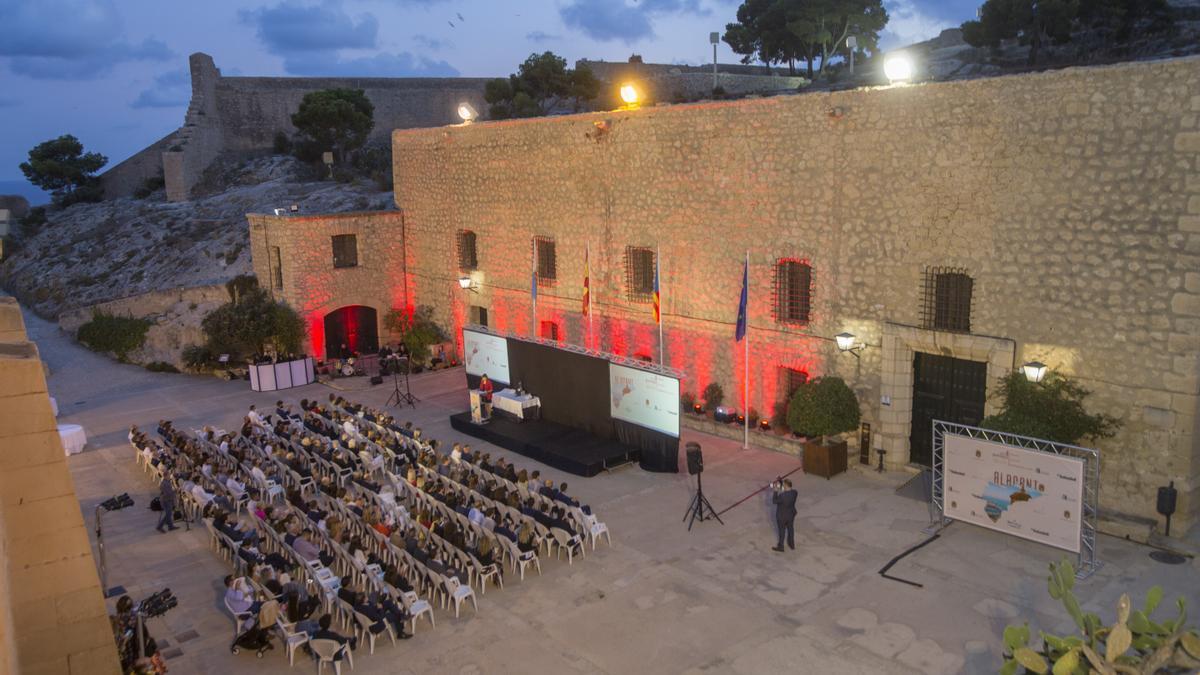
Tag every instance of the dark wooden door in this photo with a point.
(355, 326)
(944, 388)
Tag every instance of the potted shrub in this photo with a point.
(713, 396)
(823, 407)
(686, 401)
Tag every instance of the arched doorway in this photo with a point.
(356, 326)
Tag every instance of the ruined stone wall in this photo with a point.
(52, 613)
(311, 285)
(123, 179)
(1070, 197)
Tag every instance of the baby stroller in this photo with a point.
(257, 637)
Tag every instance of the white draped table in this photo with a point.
(521, 406)
(73, 438)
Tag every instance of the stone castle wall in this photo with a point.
(310, 283)
(1070, 197)
(53, 618)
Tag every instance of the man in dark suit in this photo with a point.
(785, 513)
(166, 498)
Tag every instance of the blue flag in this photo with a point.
(533, 285)
(741, 320)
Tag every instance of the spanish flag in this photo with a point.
(587, 296)
(657, 298)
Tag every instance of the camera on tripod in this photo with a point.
(158, 604)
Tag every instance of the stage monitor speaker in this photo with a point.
(695, 458)
(378, 379)
(725, 414)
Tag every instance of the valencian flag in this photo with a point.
(587, 296)
(740, 332)
(657, 297)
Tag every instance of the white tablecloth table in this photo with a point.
(521, 406)
(73, 438)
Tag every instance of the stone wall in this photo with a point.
(175, 317)
(243, 114)
(1070, 197)
(52, 613)
(310, 283)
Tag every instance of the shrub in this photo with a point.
(713, 396)
(252, 321)
(282, 144)
(687, 401)
(718, 92)
(1051, 409)
(150, 186)
(161, 367)
(823, 407)
(117, 334)
(33, 221)
(198, 357)
(418, 332)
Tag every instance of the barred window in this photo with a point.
(547, 262)
(468, 257)
(947, 299)
(479, 315)
(276, 269)
(790, 380)
(793, 291)
(549, 331)
(639, 274)
(345, 250)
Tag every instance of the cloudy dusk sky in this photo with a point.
(114, 72)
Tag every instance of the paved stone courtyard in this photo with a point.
(660, 600)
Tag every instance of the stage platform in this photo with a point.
(562, 447)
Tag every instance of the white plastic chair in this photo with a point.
(485, 573)
(569, 543)
(416, 606)
(327, 651)
(238, 618)
(364, 628)
(595, 528)
(457, 592)
(292, 639)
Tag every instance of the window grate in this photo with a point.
(946, 302)
(276, 269)
(468, 256)
(549, 331)
(792, 289)
(547, 261)
(790, 380)
(345, 251)
(639, 274)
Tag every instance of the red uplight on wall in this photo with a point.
(698, 409)
(764, 425)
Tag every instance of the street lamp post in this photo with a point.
(714, 38)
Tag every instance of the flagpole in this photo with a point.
(746, 378)
(587, 265)
(662, 355)
(533, 286)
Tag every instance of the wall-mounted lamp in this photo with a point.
(898, 68)
(467, 112)
(1034, 371)
(465, 283)
(845, 343)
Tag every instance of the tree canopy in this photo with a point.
(813, 31)
(336, 120)
(1038, 23)
(1051, 409)
(541, 84)
(62, 168)
(250, 321)
(823, 407)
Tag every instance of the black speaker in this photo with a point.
(378, 379)
(695, 458)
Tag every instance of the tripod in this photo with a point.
(700, 508)
(400, 398)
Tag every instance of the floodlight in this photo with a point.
(898, 68)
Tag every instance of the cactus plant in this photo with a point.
(1134, 644)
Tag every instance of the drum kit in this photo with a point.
(348, 367)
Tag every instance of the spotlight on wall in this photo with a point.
(845, 343)
(295, 208)
(1034, 371)
(467, 112)
(629, 94)
(898, 68)
(280, 212)
(465, 283)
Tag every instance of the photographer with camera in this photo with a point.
(167, 499)
(785, 512)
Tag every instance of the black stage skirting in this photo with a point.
(571, 450)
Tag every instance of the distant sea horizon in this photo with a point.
(35, 195)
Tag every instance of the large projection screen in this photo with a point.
(1026, 493)
(644, 398)
(486, 355)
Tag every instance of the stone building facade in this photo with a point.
(294, 258)
(958, 230)
(52, 613)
